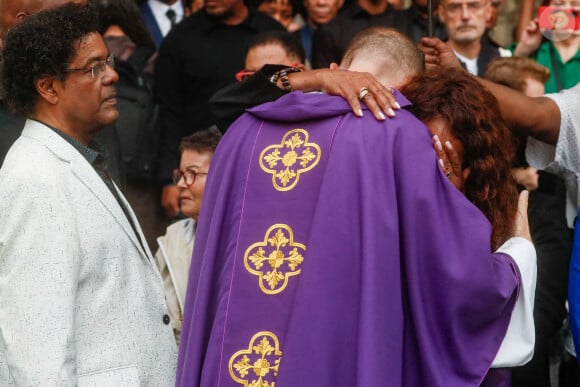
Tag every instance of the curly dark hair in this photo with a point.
(473, 115)
(42, 44)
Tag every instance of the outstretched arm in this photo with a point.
(537, 117)
(230, 102)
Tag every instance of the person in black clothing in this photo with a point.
(316, 13)
(128, 39)
(10, 128)
(198, 57)
(330, 40)
(414, 21)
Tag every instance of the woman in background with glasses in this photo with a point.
(175, 247)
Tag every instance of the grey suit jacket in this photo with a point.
(81, 302)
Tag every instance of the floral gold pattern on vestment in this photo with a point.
(275, 259)
(258, 365)
(289, 159)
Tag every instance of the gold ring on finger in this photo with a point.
(363, 93)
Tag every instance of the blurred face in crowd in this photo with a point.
(465, 19)
(322, 11)
(280, 10)
(193, 7)
(192, 163)
(14, 11)
(492, 21)
(271, 53)
(573, 4)
(224, 9)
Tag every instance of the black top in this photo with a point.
(410, 22)
(10, 129)
(230, 102)
(331, 40)
(489, 51)
(198, 57)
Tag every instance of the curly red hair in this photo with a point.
(473, 117)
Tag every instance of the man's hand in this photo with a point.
(170, 200)
(530, 40)
(438, 53)
(528, 177)
(521, 225)
(348, 84)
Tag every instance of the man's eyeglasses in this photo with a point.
(189, 176)
(472, 7)
(98, 68)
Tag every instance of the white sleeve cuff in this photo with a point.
(517, 347)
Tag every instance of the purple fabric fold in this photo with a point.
(397, 285)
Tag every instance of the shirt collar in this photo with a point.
(96, 154)
(158, 7)
(159, 10)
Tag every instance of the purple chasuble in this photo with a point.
(332, 251)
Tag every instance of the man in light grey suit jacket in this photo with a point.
(81, 301)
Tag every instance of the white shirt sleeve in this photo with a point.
(517, 347)
(563, 159)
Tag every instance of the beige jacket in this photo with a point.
(174, 259)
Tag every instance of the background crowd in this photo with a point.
(188, 69)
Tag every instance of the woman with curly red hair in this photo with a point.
(466, 118)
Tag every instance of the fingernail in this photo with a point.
(435, 138)
(382, 116)
(390, 112)
(442, 164)
(448, 145)
(438, 145)
(359, 113)
(397, 106)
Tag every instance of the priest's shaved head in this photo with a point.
(392, 57)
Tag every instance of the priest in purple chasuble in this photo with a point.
(332, 251)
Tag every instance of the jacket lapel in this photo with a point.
(87, 176)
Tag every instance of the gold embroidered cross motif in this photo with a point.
(289, 159)
(258, 365)
(275, 259)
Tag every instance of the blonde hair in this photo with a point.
(513, 72)
(388, 49)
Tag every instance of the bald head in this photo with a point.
(14, 11)
(389, 55)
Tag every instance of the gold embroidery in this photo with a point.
(279, 240)
(262, 358)
(293, 148)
